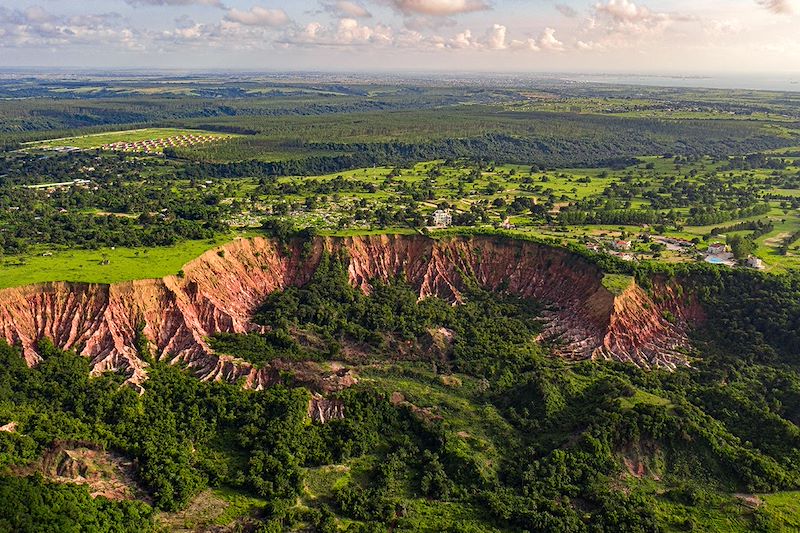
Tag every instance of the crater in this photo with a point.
(219, 292)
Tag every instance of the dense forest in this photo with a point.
(316, 132)
(729, 424)
(548, 140)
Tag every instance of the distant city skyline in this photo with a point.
(634, 36)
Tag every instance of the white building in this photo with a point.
(442, 218)
(621, 245)
(755, 262)
(717, 248)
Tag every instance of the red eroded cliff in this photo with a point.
(221, 289)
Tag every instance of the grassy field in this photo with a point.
(784, 507)
(124, 264)
(617, 283)
(212, 508)
(98, 140)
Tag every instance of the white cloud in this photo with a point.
(462, 40)
(213, 3)
(346, 32)
(623, 11)
(625, 24)
(350, 32)
(36, 27)
(493, 39)
(223, 35)
(347, 9)
(496, 39)
(258, 16)
(547, 42)
(780, 7)
(438, 8)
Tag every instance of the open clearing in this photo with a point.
(124, 264)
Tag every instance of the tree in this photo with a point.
(742, 247)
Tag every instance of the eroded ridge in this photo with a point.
(220, 291)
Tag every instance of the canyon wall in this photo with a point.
(220, 290)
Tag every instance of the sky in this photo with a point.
(625, 36)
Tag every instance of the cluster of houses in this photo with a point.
(158, 145)
(246, 219)
(618, 247)
(443, 218)
(718, 254)
(676, 244)
(52, 187)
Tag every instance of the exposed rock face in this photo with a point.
(221, 289)
(321, 409)
(104, 473)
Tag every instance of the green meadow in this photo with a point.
(89, 266)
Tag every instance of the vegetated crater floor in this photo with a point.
(220, 291)
(106, 474)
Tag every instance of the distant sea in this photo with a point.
(755, 82)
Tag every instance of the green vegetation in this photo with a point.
(587, 165)
(261, 349)
(617, 283)
(477, 429)
(456, 418)
(31, 504)
(105, 265)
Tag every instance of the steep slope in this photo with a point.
(220, 290)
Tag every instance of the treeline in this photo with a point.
(492, 147)
(542, 152)
(788, 241)
(704, 216)
(575, 217)
(756, 161)
(758, 227)
(106, 111)
(92, 231)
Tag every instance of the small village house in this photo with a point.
(755, 262)
(717, 248)
(442, 218)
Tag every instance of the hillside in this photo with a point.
(402, 383)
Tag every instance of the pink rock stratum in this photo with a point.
(222, 288)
